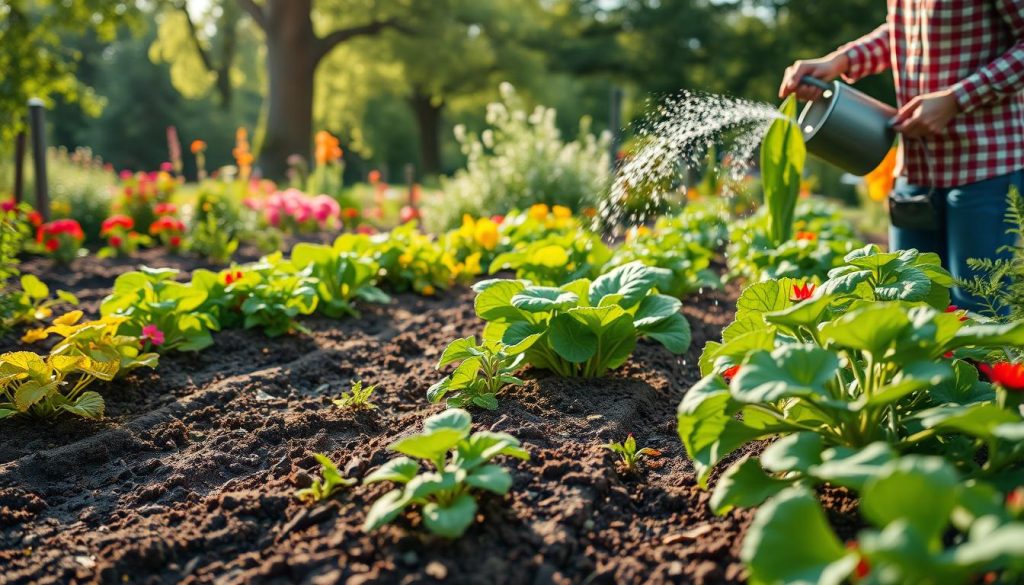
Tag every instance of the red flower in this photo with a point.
(408, 213)
(165, 209)
(1015, 500)
(232, 277)
(350, 213)
(8, 205)
(166, 223)
(52, 245)
(802, 292)
(35, 218)
(115, 241)
(1005, 374)
(365, 230)
(730, 373)
(863, 568)
(116, 221)
(498, 219)
(175, 241)
(956, 309)
(808, 236)
(60, 226)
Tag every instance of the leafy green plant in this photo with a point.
(851, 372)
(99, 341)
(150, 298)
(782, 163)
(413, 261)
(907, 275)
(583, 328)
(211, 241)
(484, 369)
(322, 489)
(31, 384)
(341, 277)
(556, 259)
(274, 294)
(927, 526)
(357, 398)
(629, 455)
(688, 261)
(33, 304)
(461, 466)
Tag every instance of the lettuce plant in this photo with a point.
(459, 466)
(341, 278)
(274, 293)
(584, 328)
(331, 481)
(925, 526)
(47, 386)
(483, 370)
(907, 275)
(556, 259)
(151, 297)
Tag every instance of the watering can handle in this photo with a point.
(822, 85)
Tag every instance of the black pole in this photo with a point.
(615, 123)
(37, 121)
(19, 167)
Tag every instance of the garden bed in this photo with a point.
(191, 476)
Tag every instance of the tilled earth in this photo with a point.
(191, 476)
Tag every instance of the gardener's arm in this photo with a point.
(865, 56)
(930, 114)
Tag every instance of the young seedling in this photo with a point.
(629, 455)
(358, 398)
(461, 465)
(484, 370)
(331, 484)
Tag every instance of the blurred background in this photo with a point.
(390, 78)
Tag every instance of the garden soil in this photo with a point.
(190, 478)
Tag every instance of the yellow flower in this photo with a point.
(405, 259)
(473, 264)
(345, 289)
(538, 212)
(42, 313)
(69, 318)
(468, 225)
(637, 232)
(33, 335)
(428, 290)
(551, 256)
(486, 233)
(561, 212)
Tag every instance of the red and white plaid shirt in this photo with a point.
(975, 47)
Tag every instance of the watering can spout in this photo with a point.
(846, 127)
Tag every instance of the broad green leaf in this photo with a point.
(654, 309)
(460, 349)
(633, 281)
(791, 370)
(385, 509)
(494, 303)
(673, 333)
(453, 419)
(795, 452)
(34, 287)
(913, 377)
(543, 298)
(761, 298)
(399, 470)
(430, 445)
(31, 392)
(791, 542)
(807, 313)
(852, 468)
(572, 339)
(782, 162)
(920, 490)
(871, 328)
(520, 336)
(493, 478)
(976, 420)
(450, 521)
(744, 485)
(990, 335)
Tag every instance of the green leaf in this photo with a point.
(809, 313)
(782, 162)
(791, 542)
(398, 470)
(493, 478)
(495, 302)
(673, 333)
(654, 309)
(543, 298)
(34, 287)
(911, 285)
(451, 419)
(795, 452)
(572, 339)
(521, 336)
(385, 509)
(450, 521)
(872, 328)
(976, 420)
(633, 281)
(990, 335)
(744, 485)
(852, 468)
(791, 370)
(460, 349)
(89, 405)
(914, 376)
(31, 392)
(920, 490)
(430, 445)
(761, 298)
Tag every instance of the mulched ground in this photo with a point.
(190, 478)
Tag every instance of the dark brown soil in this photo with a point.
(191, 477)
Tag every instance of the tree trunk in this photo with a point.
(291, 64)
(428, 120)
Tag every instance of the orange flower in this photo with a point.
(880, 180)
(808, 236)
(374, 177)
(328, 148)
(198, 146)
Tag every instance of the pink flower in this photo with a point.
(125, 175)
(325, 208)
(152, 334)
(166, 167)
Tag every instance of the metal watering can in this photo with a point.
(846, 127)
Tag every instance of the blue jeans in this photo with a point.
(972, 225)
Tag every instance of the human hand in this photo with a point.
(826, 69)
(927, 114)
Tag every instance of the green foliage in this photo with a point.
(782, 163)
(482, 372)
(100, 341)
(341, 274)
(151, 296)
(46, 386)
(410, 260)
(33, 304)
(274, 293)
(629, 455)
(460, 465)
(676, 251)
(520, 160)
(331, 483)
(357, 398)
(908, 275)
(926, 526)
(999, 283)
(556, 259)
(583, 328)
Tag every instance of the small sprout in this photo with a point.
(629, 454)
(331, 484)
(358, 398)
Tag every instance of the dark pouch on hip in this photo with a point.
(914, 211)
